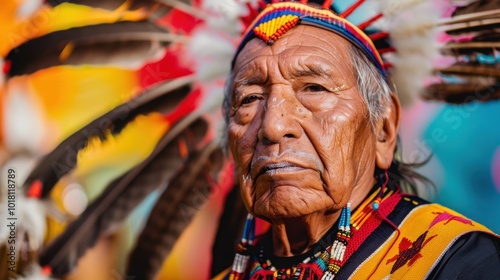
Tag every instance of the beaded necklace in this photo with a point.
(326, 264)
(323, 265)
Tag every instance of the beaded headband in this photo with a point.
(277, 18)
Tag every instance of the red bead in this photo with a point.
(6, 66)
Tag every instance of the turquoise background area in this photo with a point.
(464, 140)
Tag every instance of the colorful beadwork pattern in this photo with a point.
(276, 19)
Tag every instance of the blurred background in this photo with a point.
(57, 86)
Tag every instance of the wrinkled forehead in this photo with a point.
(305, 48)
(278, 19)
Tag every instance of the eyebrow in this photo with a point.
(250, 81)
(255, 80)
(311, 70)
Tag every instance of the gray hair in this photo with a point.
(372, 86)
(376, 94)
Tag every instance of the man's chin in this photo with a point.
(289, 202)
(276, 211)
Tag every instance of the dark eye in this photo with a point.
(249, 99)
(315, 88)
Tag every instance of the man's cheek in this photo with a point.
(247, 192)
(244, 155)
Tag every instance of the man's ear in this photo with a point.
(387, 133)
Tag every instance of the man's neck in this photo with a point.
(296, 236)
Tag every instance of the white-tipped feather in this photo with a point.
(184, 7)
(210, 51)
(35, 272)
(23, 126)
(215, 96)
(229, 9)
(29, 213)
(32, 221)
(22, 165)
(411, 26)
(392, 8)
(28, 7)
(225, 15)
(409, 76)
(462, 2)
(211, 47)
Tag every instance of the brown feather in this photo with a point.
(477, 7)
(478, 15)
(173, 212)
(462, 93)
(471, 69)
(469, 17)
(472, 26)
(479, 79)
(484, 43)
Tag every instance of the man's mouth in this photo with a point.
(284, 163)
(275, 168)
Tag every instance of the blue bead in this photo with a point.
(486, 59)
(375, 205)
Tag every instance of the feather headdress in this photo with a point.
(133, 90)
(470, 49)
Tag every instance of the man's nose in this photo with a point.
(279, 120)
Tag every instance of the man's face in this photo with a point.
(299, 129)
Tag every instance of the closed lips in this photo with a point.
(280, 167)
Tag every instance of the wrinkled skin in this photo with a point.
(300, 135)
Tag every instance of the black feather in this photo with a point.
(173, 212)
(229, 231)
(119, 198)
(94, 44)
(64, 157)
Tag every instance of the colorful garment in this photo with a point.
(405, 238)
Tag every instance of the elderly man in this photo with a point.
(312, 126)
